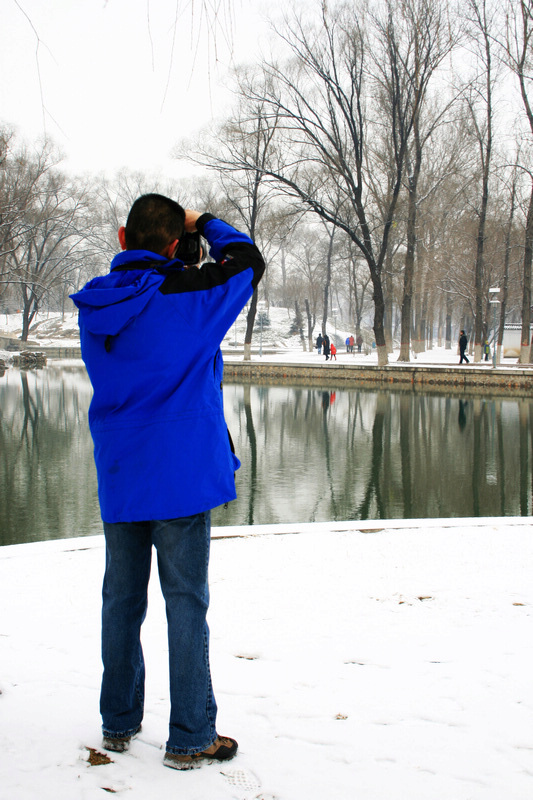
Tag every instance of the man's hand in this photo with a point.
(190, 219)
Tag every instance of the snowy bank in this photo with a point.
(377, 661)
(276, 342)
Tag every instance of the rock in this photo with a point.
(29, 360)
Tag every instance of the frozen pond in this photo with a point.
(307, 455)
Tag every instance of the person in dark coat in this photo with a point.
(325, 344)
(319, 341)
(463, 341)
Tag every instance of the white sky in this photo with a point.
(119, 82)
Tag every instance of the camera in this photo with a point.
(190, 249)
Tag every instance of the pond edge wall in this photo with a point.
(469, 380)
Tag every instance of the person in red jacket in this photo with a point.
(333, 351)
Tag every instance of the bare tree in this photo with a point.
(44, 222)
(479, 100)
(244, 139)
(425, 27)
(306, 274)
(48, 247)
(517, 50)
(111, 200)
(345, 87)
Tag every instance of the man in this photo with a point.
(463, 341)
(325, 345)
(150, 337)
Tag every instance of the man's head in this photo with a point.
(155, 223)
(462, 333)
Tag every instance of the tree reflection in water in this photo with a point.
(46, 467)
(307, 455)
(334, 455)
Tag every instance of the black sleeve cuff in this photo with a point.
(201, 221)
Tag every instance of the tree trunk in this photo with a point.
(388, 302)
(449, 309)
(310, 326)
(328, 280)
(505, 287)
(299, 323)
(486, 153)
(29, 310)
(379, 328)
(409, 265)
(525, 349)
(250, 321)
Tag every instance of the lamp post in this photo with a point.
(493, 300)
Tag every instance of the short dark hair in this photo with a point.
(153, 222)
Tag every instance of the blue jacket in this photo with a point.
(150, 337)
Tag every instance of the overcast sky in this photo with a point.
(118, 82)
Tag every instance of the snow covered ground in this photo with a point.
(377, 661)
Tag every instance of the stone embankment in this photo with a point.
(410, 378)
(55, 351)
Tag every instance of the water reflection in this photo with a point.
(47, 476)
(315, 455)
(307, 455)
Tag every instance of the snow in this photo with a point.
(350, 660)
(51, 329)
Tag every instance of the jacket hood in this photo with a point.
(108, 303)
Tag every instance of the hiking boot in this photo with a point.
(222, 749)
(119, 744)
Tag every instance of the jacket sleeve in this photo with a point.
(233, 251)
(211, 298)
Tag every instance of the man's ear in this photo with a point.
(122, 237)
(170, 249)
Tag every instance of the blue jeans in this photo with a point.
(182, 547)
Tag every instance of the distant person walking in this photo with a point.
(352, 342)
(463, 341)
(325, 344)
(333, 351)
(359, 342)
(347, 343)
(486, 349)
(319, 341)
